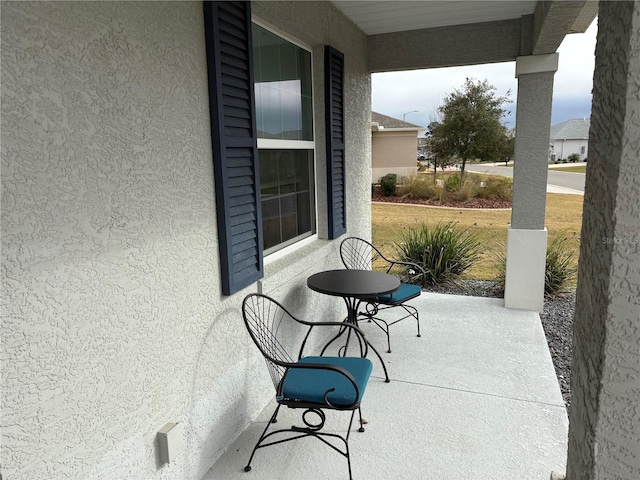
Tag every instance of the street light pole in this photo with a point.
(405, 114)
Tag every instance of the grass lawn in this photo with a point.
(573, 169)
(564, 216)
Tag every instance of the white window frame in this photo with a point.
(277, 144)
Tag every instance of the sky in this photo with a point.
(425, 90)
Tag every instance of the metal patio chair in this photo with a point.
(358, 254)
(311, 383)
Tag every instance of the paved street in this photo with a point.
(557, 181)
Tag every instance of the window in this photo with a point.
(284, 122)
(281, 78)
(286, 193)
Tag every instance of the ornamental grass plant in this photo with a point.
(444, 250)
(494, 187)
(422, 186)
(560, 264)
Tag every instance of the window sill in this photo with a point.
(285, 252)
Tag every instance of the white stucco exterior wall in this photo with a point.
(113, 321)
(565, 147)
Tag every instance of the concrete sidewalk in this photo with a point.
(476, 397)
(563, 190)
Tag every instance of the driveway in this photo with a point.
(557, 181)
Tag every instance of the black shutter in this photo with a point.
(334, 123)
(234, 140)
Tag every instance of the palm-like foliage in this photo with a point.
(559, 267)
(443, 250)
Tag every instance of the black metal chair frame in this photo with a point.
(360, 254)
(264, 318)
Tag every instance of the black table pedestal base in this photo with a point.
(352, 318)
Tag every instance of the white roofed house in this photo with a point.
(394, 146)
(569, 137)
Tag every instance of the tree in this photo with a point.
(508, 147)
(470, 126)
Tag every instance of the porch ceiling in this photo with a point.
(429, 34)
(375, 17)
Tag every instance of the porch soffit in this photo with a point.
(406, 35)
(377, 17)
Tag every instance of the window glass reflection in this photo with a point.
(282, 77)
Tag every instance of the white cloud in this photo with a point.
(396, 93)
(576, 64)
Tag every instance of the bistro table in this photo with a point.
(354, 286)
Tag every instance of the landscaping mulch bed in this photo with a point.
(471, 203)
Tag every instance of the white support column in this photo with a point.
(527, 235)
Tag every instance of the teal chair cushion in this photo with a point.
(310, 385)
(404, 293)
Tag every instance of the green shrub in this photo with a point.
(443, 250)
(388, 184)
(452, 183)
(573, 158)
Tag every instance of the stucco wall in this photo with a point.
(564, 148)
(604, 433)
(113, 320)
(533, 118)
(393, 152)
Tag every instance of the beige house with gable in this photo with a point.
(394, 146)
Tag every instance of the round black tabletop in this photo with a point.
(353, 283)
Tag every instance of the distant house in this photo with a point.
(394, 146)
(569, 137)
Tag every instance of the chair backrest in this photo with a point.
(358, 254)
(269, 323)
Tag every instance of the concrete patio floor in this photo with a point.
(476, 397)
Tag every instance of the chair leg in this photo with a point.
(273, 419)
(346, 440)
(302, 432)
(415, 315)
(385, 329)
(361, 429)
(412, 311)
